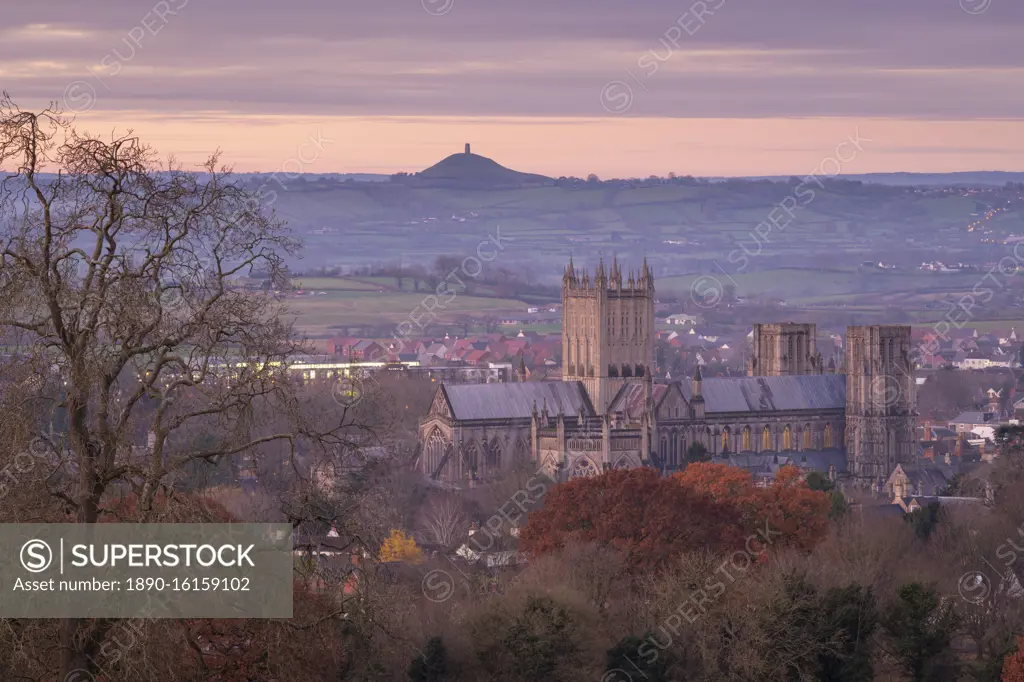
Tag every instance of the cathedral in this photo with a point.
(608, 411)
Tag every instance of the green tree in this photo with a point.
(850, 618)
(925, 520)
(954, 488)
(697, 452)
(625, 656)
(799, 612)
(431, 665)
(919, 626)
(729, 293)
(540, 636)
(991, 667)
(838, 505)
(837, 501)
(819, 481)
(539, 640)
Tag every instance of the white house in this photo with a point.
(682, 319)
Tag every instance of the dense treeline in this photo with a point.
(631, 576)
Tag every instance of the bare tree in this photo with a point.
(444, 521)
(116, 282)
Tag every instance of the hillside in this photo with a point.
(468, 170)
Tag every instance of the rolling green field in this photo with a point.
(338, 283)
(803, 286)
(367, 301)
(378, 301)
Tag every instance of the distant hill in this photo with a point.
(956, 179)
(472, 170)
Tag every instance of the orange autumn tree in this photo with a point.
(648, 517)
(723, 483)
(727, 485)
(792, 508)
(1013, 665)
(788, 506)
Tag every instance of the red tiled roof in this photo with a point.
(476, 356)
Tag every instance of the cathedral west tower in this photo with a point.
(880, 400)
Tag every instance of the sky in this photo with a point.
(620, 88)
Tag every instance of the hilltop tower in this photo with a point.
(783, 350)
(607, 329)
(880, 400)
(467, 148)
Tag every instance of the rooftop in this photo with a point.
(761, 394)
(516, 401)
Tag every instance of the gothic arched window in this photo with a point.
(766, 439)
(746, 439)
(522, 450)
(725, 440)
(828, 436)
(583, 468)
(494, 456)
(807, 437)
(436, 446)
(787, 438)
(471, 458)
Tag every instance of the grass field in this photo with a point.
(807, 286)
(982, 326)
(378, 301)
(337, 284)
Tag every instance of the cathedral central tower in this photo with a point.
(607, 329)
